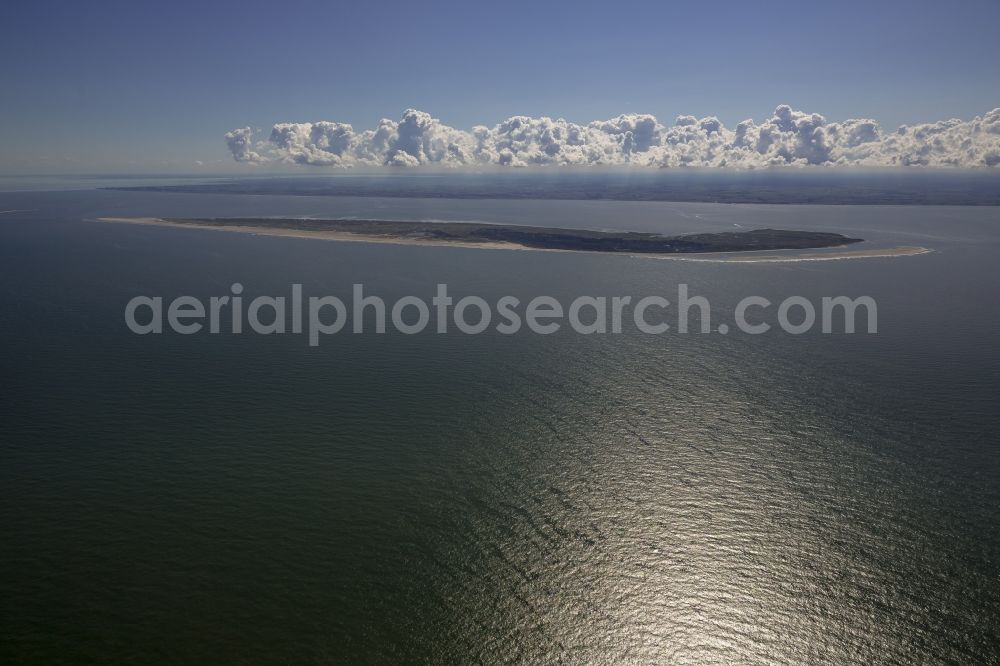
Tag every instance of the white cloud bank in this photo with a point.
(789, 137)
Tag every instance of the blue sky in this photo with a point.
(137, 86)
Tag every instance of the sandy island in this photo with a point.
(720, 257)
(327, 235)
(747, 258)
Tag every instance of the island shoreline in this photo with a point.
(728, 256)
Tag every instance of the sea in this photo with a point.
(446, 498)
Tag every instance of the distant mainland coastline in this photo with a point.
(782, 186)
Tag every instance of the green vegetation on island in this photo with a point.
(537, 237)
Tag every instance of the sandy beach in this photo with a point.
(723, 257)
(325, 235)
(746, 258)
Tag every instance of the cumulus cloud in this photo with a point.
(239, 142)
(788, 137)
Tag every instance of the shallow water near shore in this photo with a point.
(699, 499)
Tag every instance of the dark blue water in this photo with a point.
(699, 499)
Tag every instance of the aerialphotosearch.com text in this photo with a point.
(319, 316)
